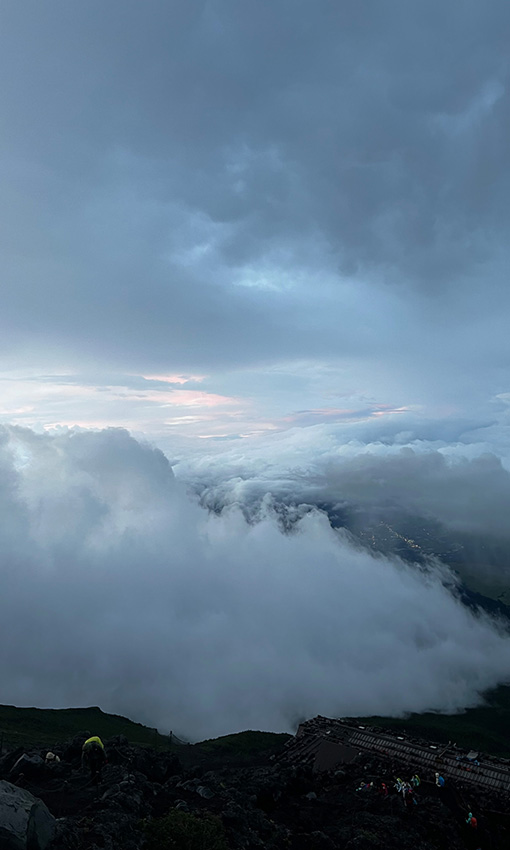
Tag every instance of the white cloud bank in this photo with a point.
(119, 590)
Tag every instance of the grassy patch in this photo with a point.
(182, 831)
(47, 725)
(241, 748)
(484, 728)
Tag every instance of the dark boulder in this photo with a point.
(9, 760)
(31, 766)
(71, 751)
(118, 741)
(25, 821)
(205, 792)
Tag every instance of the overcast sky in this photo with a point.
(293, 205)
(269, 237)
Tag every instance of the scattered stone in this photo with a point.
(205, 792)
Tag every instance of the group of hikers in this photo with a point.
(408, 789)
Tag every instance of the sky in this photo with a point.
(251, 252)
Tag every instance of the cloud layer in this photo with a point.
(119, 590)
(444, 481)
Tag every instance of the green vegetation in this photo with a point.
(47, 725)
(366, 835)
(485, 728)
(182, 831)
(247, 744)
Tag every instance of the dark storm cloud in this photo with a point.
(155, 155)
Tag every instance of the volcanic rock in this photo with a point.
(25, 822)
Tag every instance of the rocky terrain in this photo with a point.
(157, 800)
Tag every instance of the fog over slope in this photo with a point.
(445, 481)
(119, 589)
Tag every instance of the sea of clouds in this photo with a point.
(121, 589)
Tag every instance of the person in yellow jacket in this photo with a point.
(93, 756)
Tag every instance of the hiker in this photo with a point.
(405, 789)
(415, 780)
(93, 756)
(471, 821)
(409, 798)
(383, 789)
(439, 781)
